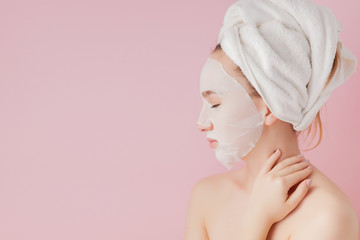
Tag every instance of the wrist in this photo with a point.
(258, 222)
(255, 227)
(255, 215)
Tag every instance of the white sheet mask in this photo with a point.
(237, 123)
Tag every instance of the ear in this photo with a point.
(269, 117)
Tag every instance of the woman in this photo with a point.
(263, 84)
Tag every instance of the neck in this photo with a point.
(279, 135)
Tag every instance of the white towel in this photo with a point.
(286, 50)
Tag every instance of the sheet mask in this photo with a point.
(237, 123)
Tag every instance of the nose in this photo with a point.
(205, 128)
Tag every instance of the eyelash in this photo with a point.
(215, 106)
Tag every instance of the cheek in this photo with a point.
(224, 119)
(233, 111)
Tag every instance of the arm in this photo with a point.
(195, 227)
(333, 224)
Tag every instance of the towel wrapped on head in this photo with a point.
(286, 49)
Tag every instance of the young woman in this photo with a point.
(250, 110)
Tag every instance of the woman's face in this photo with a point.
(229, 115)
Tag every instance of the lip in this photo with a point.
(213, 144)
(211, 140)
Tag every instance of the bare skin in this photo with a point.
(227, 200)
(226, 196)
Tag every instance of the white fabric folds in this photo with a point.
(286, 50)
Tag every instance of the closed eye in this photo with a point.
(214, 106)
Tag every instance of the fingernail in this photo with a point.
(307, 160)
(309, 166)
(277, 150)
(300, 155)
(308, 182)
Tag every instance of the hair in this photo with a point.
(317, 120)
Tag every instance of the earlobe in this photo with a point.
(269, 118)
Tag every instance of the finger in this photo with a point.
(287, 162)
(269, 163)
(296, 197)
(292, 168)
(292, 179)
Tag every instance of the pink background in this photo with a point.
(99, 102)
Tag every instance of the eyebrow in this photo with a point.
(207, 93)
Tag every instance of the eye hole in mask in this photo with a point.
(237, 124)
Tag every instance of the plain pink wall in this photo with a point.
(99, 102)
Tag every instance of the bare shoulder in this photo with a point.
(325, 212)
(224, 182)
(202, 197)
(213, 190)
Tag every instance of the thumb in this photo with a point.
(297, 195)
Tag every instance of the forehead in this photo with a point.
(230, 67)
(215, 80)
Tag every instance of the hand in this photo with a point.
(269, 199)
